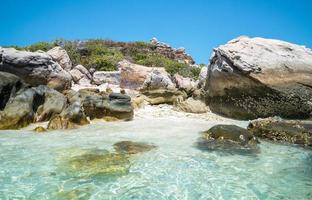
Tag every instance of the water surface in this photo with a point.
(31, 164)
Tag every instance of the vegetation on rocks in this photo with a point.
(103, 55)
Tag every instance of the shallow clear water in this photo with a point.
(30, 165)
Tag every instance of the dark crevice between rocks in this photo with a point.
(7, 91)
(37, 101)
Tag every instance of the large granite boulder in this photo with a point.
(9, 85)
(100, 77)
(99, 105)
(279, 130)
(19, 110)
(34, 68)
(158, 79)
(185, 83)
(228, 138)
(60, 56)
(71, 117)
(54, 103)
(255, 77)
(31, 105)
(132, 76)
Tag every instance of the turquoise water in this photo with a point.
(30, 166)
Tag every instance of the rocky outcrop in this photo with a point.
(132, 76)
(255, 77)
(60, 56)
(161, 96)
(81, 75)
(31, 105)
(229, 138)
(185, 84)
(172, 53)
(9, 86)
(72, 117)
(34, 68)
(158, 79)
(100, 105)
(278, 130)
(100, 77)
(54, 103)
(191, 105)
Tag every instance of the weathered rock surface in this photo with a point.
(72, 117)
(34, 68)
(19, 110)
(54, 103)
(31, 105)
(158, 79)
(191, 105)
(132, 76)
(161, 96)
(130, 147)
(289, 131)
(184, 83)
(9, 86)
(100, 77)
(98, 105)
(230, 138)
(60, 56)
(172, 53)
(255, 77)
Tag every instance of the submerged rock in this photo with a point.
(250, 78)
(39, 129)
(191, 105)
(229, 138)
(130, 147)
(96, 163)
(290, 131)
(34, 68)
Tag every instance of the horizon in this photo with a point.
(188, 24)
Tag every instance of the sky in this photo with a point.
(197, 25)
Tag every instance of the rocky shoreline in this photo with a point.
(248, 78)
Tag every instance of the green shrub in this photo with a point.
(44, 46)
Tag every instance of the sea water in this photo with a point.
(30, 164)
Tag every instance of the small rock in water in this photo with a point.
(133, 147)
(40, 129)
(229, 138)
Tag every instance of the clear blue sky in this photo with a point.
(197, 25)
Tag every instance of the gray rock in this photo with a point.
(158, 80)
(228, 138)
(255, 77)
(34, 68)
(100, 77)
(9, 85)
(54, 103)
(60, 56)
(185, 84)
